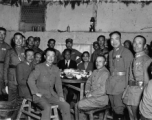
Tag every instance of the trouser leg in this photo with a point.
(1, 86)
(65, 110)
(131, 116)
(135, 112)
(12, 92)
(45, 106)
(117, 105)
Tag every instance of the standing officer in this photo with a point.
(75, 54)
(3, 48)
(120, 59)
(13, 57)
(23, 71)
(42, 81)
(138, 77)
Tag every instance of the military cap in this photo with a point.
(69, 40)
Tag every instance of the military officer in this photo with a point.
(75, 54)
(95, 88)
(13, 57)
(3, 49)
(120, 59)
(23, 71)
(42, 81)
(138, 77)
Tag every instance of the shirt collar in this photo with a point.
(139, 54)
(27, 63)
(48, 65)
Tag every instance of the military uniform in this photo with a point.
(138, 73)
(96, 86)
(42, 80)
(22, 73)
(13, 57)
(3, 49)
(119, 62)
(36, 49)
(146, 102)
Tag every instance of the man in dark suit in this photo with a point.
(42, 81)
(23, 71)
(67, 63)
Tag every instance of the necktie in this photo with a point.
(66, 64)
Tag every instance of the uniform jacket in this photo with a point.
(96, 85)
(62, 65)
(138, 72)
(58, 56)
(97, 53)
(43, 79)
(13, 57)
(37, 50)
(3, 49)
(120, 60)
(88, 69)
(22, 73)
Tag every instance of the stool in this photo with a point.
(91, 112)
(30, 112)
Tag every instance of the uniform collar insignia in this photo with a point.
(139, 54)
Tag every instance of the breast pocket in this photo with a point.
(45, 78)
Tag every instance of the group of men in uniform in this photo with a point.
(122, 83)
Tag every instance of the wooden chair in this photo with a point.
(101, 117)
(93, 111)
(27, 109)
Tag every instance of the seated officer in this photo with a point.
(23, 71)
(42, 81)
(95, 88)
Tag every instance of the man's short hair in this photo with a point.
(95, 43)
(69, 40)
(3, 29)
(37, 39)
(67, 50)
(115, 32)
(37, 53)
(51, 40)
(144, 39)
(18, 33)
(28, 50)
(30, 37)
(49, 49)
(102, 37)
(102, 57)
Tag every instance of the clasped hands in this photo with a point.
(88, 94)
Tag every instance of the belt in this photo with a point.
(12, 66)
(136, 83)
(118, 73)
(1, 61)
